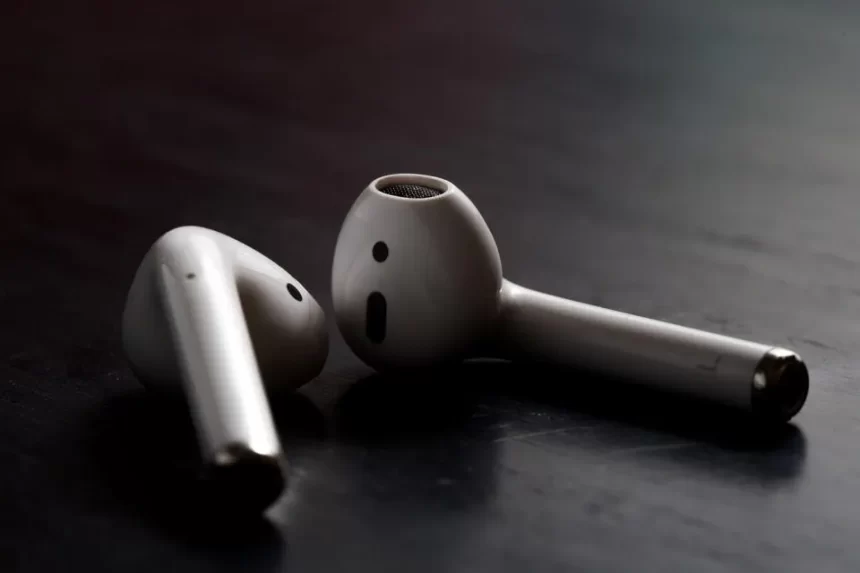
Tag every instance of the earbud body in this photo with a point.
(212, 317)
(437, 296)
(440, 278)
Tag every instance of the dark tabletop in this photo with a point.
(690, 161)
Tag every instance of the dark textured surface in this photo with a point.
(689, 161)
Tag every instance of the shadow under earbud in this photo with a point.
(147, 453)
(628, 402)
(759, 449)
(419, 438)
(390, 407)
(296, 417)
(488, 401)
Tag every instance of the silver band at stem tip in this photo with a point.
(780, 385)
(246, 480)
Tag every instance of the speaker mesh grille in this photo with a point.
(410, 191)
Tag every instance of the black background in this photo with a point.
(690, 161)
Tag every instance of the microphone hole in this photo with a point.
(294, 292)
(376, 316)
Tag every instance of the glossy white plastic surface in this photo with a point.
(554, 330)
(446, 300)
(441, 277)
(213, 316)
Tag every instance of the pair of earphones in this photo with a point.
(416, 283)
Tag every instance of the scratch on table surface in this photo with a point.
(811, 342)
(541, 433)
(654, 448)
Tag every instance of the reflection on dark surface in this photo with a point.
(622, 410)
(425, 428)
(147, 455)
(462, 452)
(409, 462)
(626, 402)
(480, 398)
(452, 459)
(390, 408)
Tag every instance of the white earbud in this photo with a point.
(215, 317)
(417, 282)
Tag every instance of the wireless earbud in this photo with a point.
(417, 282)
(215, 317)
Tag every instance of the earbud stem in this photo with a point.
(215, 353)
(767, 381)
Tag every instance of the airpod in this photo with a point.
(208, 314)
(417, 282)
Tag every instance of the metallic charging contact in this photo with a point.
(780, 385)
(243, 480)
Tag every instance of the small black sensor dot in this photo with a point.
(294, 292)
(190, 276)
(380, 251)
